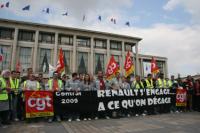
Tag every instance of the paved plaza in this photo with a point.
(188, 122)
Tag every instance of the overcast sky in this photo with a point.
(169, 28)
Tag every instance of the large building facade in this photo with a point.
(28, 43)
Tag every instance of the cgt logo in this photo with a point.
(40, 103)
(181, 97)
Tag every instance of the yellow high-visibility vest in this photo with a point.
(14, 85)
(4, 93)
(50, 83)
(149, 84)
(161, 83)
(136, 85)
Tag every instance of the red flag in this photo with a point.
(128, 65)
(112, 68)
(1, 54)
(18, 66)
(60, 64)
(154, 67)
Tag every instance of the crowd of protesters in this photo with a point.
(12, 85)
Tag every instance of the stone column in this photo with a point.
(35, 51)
(108, 52)
(137, 60)
(91, 55)
(123, 57)
(55, 59)
(14, 49)
(74, 55)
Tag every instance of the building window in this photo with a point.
(25, 57)
(115, 45)
(67, 61)
(116, 57)
(6, 51)
(128, 46)
(65, 39)
(160, 66)
(44, 60)
(99, 63)
(25, 35)
(82, 62)
(100, 43)
(45, 37)
(6, 33)
(83, 42)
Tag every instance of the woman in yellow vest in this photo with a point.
(5, 88)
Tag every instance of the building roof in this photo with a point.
(68, 28)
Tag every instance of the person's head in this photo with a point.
(189, 78)
(167, 79)
(81, 76)
(40, 76)
(100, 75)
(29, 71)
(74, 76)
(137, 78)
(64, 77)
(172, 77)
(87, 78)
(13, 74)
(17, 74)
(55, 75)
(6, 74)
(161, 76)
(128, 78)
(31, 77)
(149, 76)
(123, 79)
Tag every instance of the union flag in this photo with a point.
(60, 68)
(154, 67)
(112, 68)
(128, 65)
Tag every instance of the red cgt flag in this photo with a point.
(60, 64)
(128, 65)
(112, 68)
(154, 67)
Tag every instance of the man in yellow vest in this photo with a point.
(5, 88)
(55, 84)
(14, 94)
(161, 82)
(138, 84)
(148, 84)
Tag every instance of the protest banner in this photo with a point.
(39, 104)
(181, 97)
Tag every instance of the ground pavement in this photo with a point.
(166, 123)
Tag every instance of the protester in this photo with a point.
(138, 84)
(5, 88)
(197, 95)
(189, 83)
(14, 95)
(124, 84)
(55, 84)
(73, 85)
